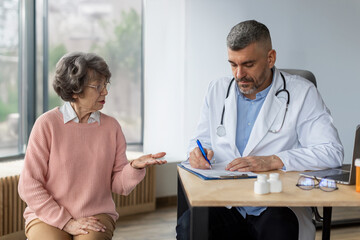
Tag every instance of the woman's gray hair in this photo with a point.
(75, 70)
(247, 32)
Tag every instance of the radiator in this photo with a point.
(141, 199)
(11, 206)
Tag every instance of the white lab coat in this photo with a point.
(308, 139)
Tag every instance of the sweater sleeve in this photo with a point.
(124, 177)
(32, 183)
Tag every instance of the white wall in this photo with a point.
(164, 45)
(185, 49)
(164, 77)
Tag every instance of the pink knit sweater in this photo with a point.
(71, 169)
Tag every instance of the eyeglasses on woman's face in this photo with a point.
(306, 183)
(99, 88)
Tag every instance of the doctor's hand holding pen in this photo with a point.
(255, 164)
(200, 157)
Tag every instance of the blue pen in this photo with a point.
(202, 151)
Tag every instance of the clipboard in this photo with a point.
(212, 174)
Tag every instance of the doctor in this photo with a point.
(262, 120)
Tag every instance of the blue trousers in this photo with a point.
(278, 223)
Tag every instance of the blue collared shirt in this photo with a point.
(69, 114)
(247, 112)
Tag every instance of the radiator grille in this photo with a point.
(141, 199)
(11, 206)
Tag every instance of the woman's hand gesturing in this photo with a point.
(148, 160)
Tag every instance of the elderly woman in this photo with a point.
(76, 157)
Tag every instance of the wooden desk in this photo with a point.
(198, 195)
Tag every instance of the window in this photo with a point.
(10, 141)
(113, 30)
(109, 28)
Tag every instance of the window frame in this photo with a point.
(26, 75)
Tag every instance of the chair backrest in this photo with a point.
(302, 73)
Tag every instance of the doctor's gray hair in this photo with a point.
(247, 32)
(75, 70)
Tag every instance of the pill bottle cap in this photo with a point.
(357, 162)
(274, 176)
(261, 177)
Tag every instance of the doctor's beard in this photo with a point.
(249, 81)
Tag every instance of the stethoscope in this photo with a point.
(221, 131)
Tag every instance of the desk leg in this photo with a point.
(326, 223)
(182, 202)
(199, 220)
(199, 216)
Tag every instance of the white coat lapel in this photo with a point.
(230, 119)
(267, 115)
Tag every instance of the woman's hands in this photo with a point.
(148, 160)
(80, 226)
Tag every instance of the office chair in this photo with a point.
(302, 73)
(311, 77)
